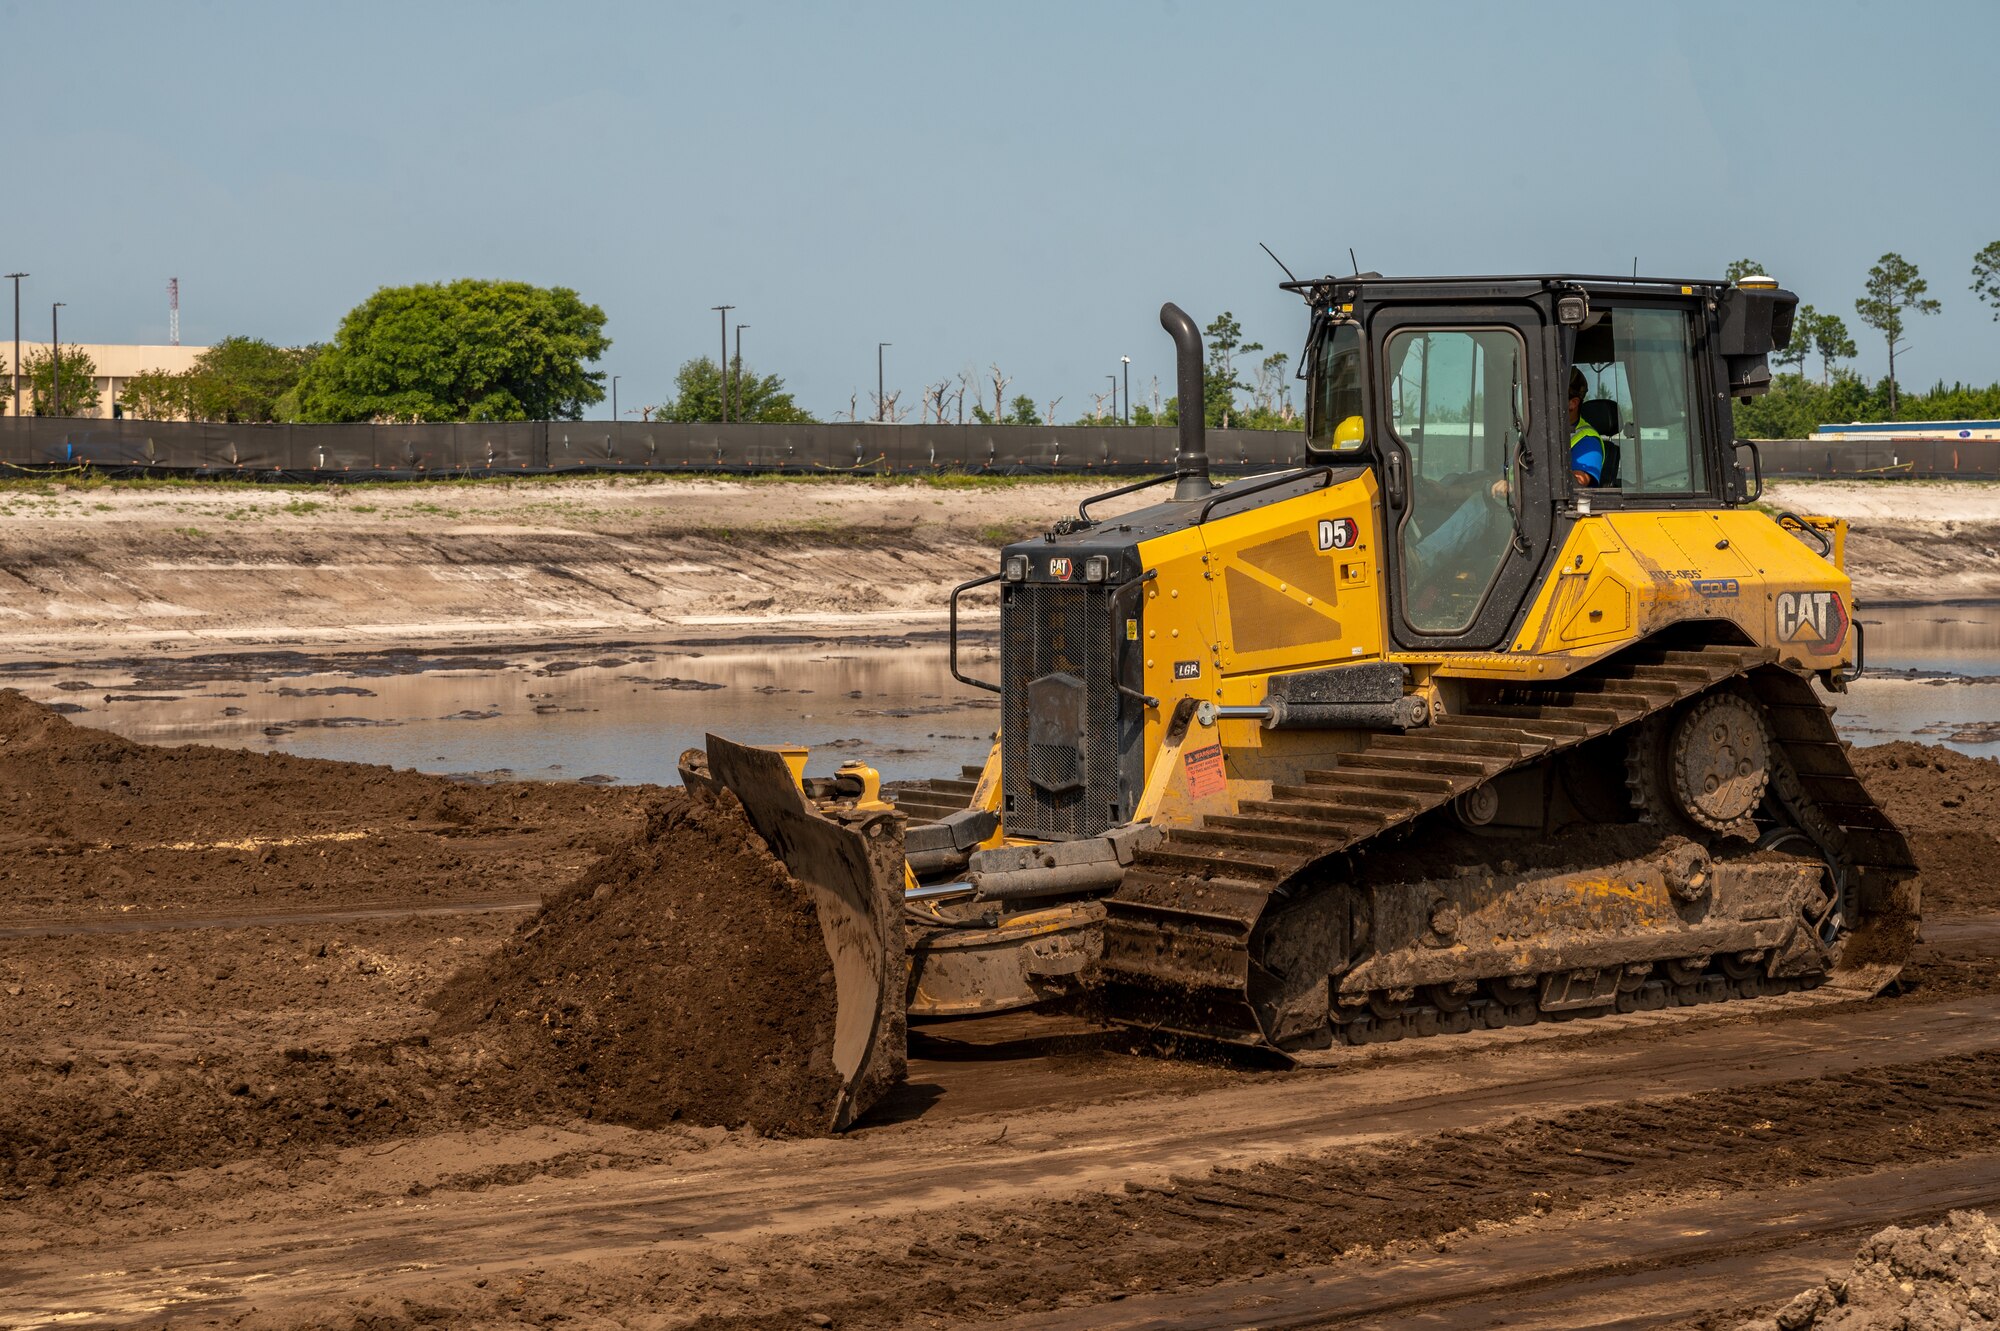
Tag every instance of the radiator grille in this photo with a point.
(1059, 791)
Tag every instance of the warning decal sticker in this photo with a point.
(1204, 772)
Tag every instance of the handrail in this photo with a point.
(1083, 509)
(1269, 483)
(952, 638)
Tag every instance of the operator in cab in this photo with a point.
(1586, 445)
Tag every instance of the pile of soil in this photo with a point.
(1943, 1276)
(91, 821)
(684, 979)
(1948, 804)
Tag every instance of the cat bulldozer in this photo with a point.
(1430, 732)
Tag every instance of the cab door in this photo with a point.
(1467, 491)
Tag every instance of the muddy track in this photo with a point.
(1910, 1082)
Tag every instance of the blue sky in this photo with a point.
(1020, 183)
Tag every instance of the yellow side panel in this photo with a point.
(1625, 576)
(1257, 591)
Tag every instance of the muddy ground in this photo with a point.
(228, 1099)
(108, 569)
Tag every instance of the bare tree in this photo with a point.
(1000, 382)
(965, 380)
(1053, 403)
(1097, 405)
(853, 401)
(887, 410)
(934, 400)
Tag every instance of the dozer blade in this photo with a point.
(852, 863)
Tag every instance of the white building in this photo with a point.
(116, 365)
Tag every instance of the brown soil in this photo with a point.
(91, 822)
(684, 978)
(1948, 804)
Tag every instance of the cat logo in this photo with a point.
(1816, 621)
(1337, 533)
(1059, 568)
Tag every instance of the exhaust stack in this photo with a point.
(1193, 459)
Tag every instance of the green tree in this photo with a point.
(79, 381)
(1794, 352)
(157, 395)
(455, 351)
(1893, 286)
(1742, 268)
(243, 379)
(752, 397)
(1224, 338)
(1023, 411)
(1828, 336)
(1986, 276)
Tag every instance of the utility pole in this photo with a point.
(881, 402)
(55, 356)
(173, 311)
(614, 398)
(1128, 388)
(16, 279)
(1114, 395)
(736, 367)
(723, 311)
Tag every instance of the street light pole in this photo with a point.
(55, 356)
(16, 278)
(614, 398)
(881, 402)
(1128, 388)
(1114, 395)
(723, 311)
(736, 367)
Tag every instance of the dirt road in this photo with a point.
(106, 570)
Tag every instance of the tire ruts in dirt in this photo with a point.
(1201, 1229)
(1179, 952)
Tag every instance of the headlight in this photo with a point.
(1095, 567)
(1016, 568)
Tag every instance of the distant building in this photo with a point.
(116, 363)
(1893, 432)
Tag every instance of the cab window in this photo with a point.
(1336, 393)
(1458, 407)
(1638, 368)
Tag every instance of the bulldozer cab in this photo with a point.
(1456, 391)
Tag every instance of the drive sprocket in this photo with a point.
(1718, 761)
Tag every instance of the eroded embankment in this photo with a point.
(105, 569)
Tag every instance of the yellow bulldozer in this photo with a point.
(1449, 726)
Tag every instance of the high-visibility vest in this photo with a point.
(1586, 452)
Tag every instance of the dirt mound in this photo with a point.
(685, 978)
(1937, 1278)
(1948, 804)
(90, 821)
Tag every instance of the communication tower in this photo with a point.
(173, 311)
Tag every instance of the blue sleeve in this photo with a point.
(1587, 456)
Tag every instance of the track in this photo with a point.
(1183, 925)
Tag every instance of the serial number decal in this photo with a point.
(1205, 776)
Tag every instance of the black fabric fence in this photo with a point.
(409, 451)
(370, 452)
